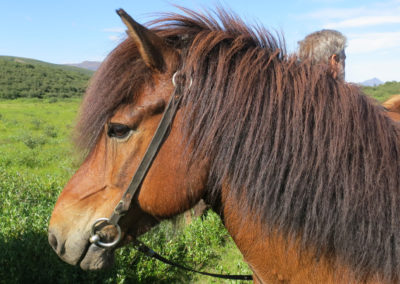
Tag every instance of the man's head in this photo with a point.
(325, 46)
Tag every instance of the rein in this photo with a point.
(151, 253)
(124, 204)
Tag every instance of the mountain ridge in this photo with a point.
(371, 82)
(87, 64)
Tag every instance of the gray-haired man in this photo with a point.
(327, 47)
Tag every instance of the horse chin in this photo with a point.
(97, 258)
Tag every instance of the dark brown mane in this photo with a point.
(313, 157)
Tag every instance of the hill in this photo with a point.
(384, 91)
(24, 77)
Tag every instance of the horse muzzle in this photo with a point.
(77, 250)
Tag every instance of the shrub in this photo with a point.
(36, 123)
(33, 141)
(50, 131)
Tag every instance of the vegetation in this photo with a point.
(384, 91)
(37, 159)
(27, 78)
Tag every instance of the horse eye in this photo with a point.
(118, 130)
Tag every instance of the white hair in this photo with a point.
(321, 45)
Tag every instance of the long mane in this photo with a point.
(312, 157)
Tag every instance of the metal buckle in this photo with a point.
(118, 209)
(95, 238)
(175, 83)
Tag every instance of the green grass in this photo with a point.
(37, 159)
(35, 136)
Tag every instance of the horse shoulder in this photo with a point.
(275, 259)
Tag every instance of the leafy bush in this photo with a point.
(33, 141)
(50, 131)
(29, 160)
(36, 123)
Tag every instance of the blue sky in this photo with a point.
(71, 31)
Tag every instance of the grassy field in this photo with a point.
(37, 158)
(35, 136)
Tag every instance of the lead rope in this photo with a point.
(138, 245)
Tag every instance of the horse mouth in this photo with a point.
(95, 258)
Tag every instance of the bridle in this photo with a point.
(124, 204)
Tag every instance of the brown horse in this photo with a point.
(392, 105)
(303, 169)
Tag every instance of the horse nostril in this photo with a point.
(53, 241)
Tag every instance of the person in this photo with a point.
(326, 47)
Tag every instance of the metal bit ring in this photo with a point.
(95, 238)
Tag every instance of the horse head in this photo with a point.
(171, 185)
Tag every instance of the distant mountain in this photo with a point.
(371, 82)
(25, 77)
(91, 65)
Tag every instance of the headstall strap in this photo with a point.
(159, 137)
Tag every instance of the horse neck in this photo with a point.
(274, 259)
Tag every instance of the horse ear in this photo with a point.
(150, 45)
